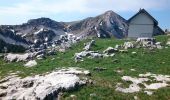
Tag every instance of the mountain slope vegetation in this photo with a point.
(104, 82)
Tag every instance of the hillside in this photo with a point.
(104, 82)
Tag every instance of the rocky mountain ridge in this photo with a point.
(44, 30)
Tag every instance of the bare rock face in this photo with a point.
(105, 25)
(41, 86)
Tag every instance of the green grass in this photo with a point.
(156, 61)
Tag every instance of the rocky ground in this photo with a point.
(103, 69)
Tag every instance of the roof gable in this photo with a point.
(144, 11)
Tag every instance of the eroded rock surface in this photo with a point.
(41, 86)
(161, 81)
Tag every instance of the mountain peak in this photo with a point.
(109, 12)
(40, 20)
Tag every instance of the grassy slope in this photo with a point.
(157, 61)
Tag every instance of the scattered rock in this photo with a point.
(119, 70)
(51, 52)
(30, 88)
(134, 53)
(168, 42)
(110, 50)
(1, 56)
(115, 61)
(99, 69)
(133, 69)
(131, 89)
(88, 45)
(135, 80)
(18, 57)
(117, 46)
(31, 63)
(148, 93)
(60, 96)
(148, 43)
(41, 56)
(93, 95)
(136, 98)
(62, 50)
(163, 81)
(107, 55)
(53, 59)
(123, 51)
(91, 54)
(128, 45)
(155, 86)
(73, 96)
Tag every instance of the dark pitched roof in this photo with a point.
(160, 30)
(144, 11)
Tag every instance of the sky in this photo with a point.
(14, 12)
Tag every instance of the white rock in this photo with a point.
(146, 75)
(40, 86)
(135, 80)
(117, 46)
(91, 54)
(134, 52)
(133, 69)
(110, 50)
(136, 98)
(155, 86)
(89, 44)
(163, 81)
(18, 57)
(31, 63)
(39, 31)
(148, 92)
(128, 45)
(131, 89)
(168, 42)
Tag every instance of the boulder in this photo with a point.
(99, 69)
(110, 50)
(89, 44)
(128, 45)
(41, 87)
(31, 63)
(146, 42)
(19, 57)
(91, 54)
(41, 56)
(168, 42)
(1, 55)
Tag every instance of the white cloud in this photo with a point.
(34, 7)
(22, 10)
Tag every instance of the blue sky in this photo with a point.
(19, 11)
